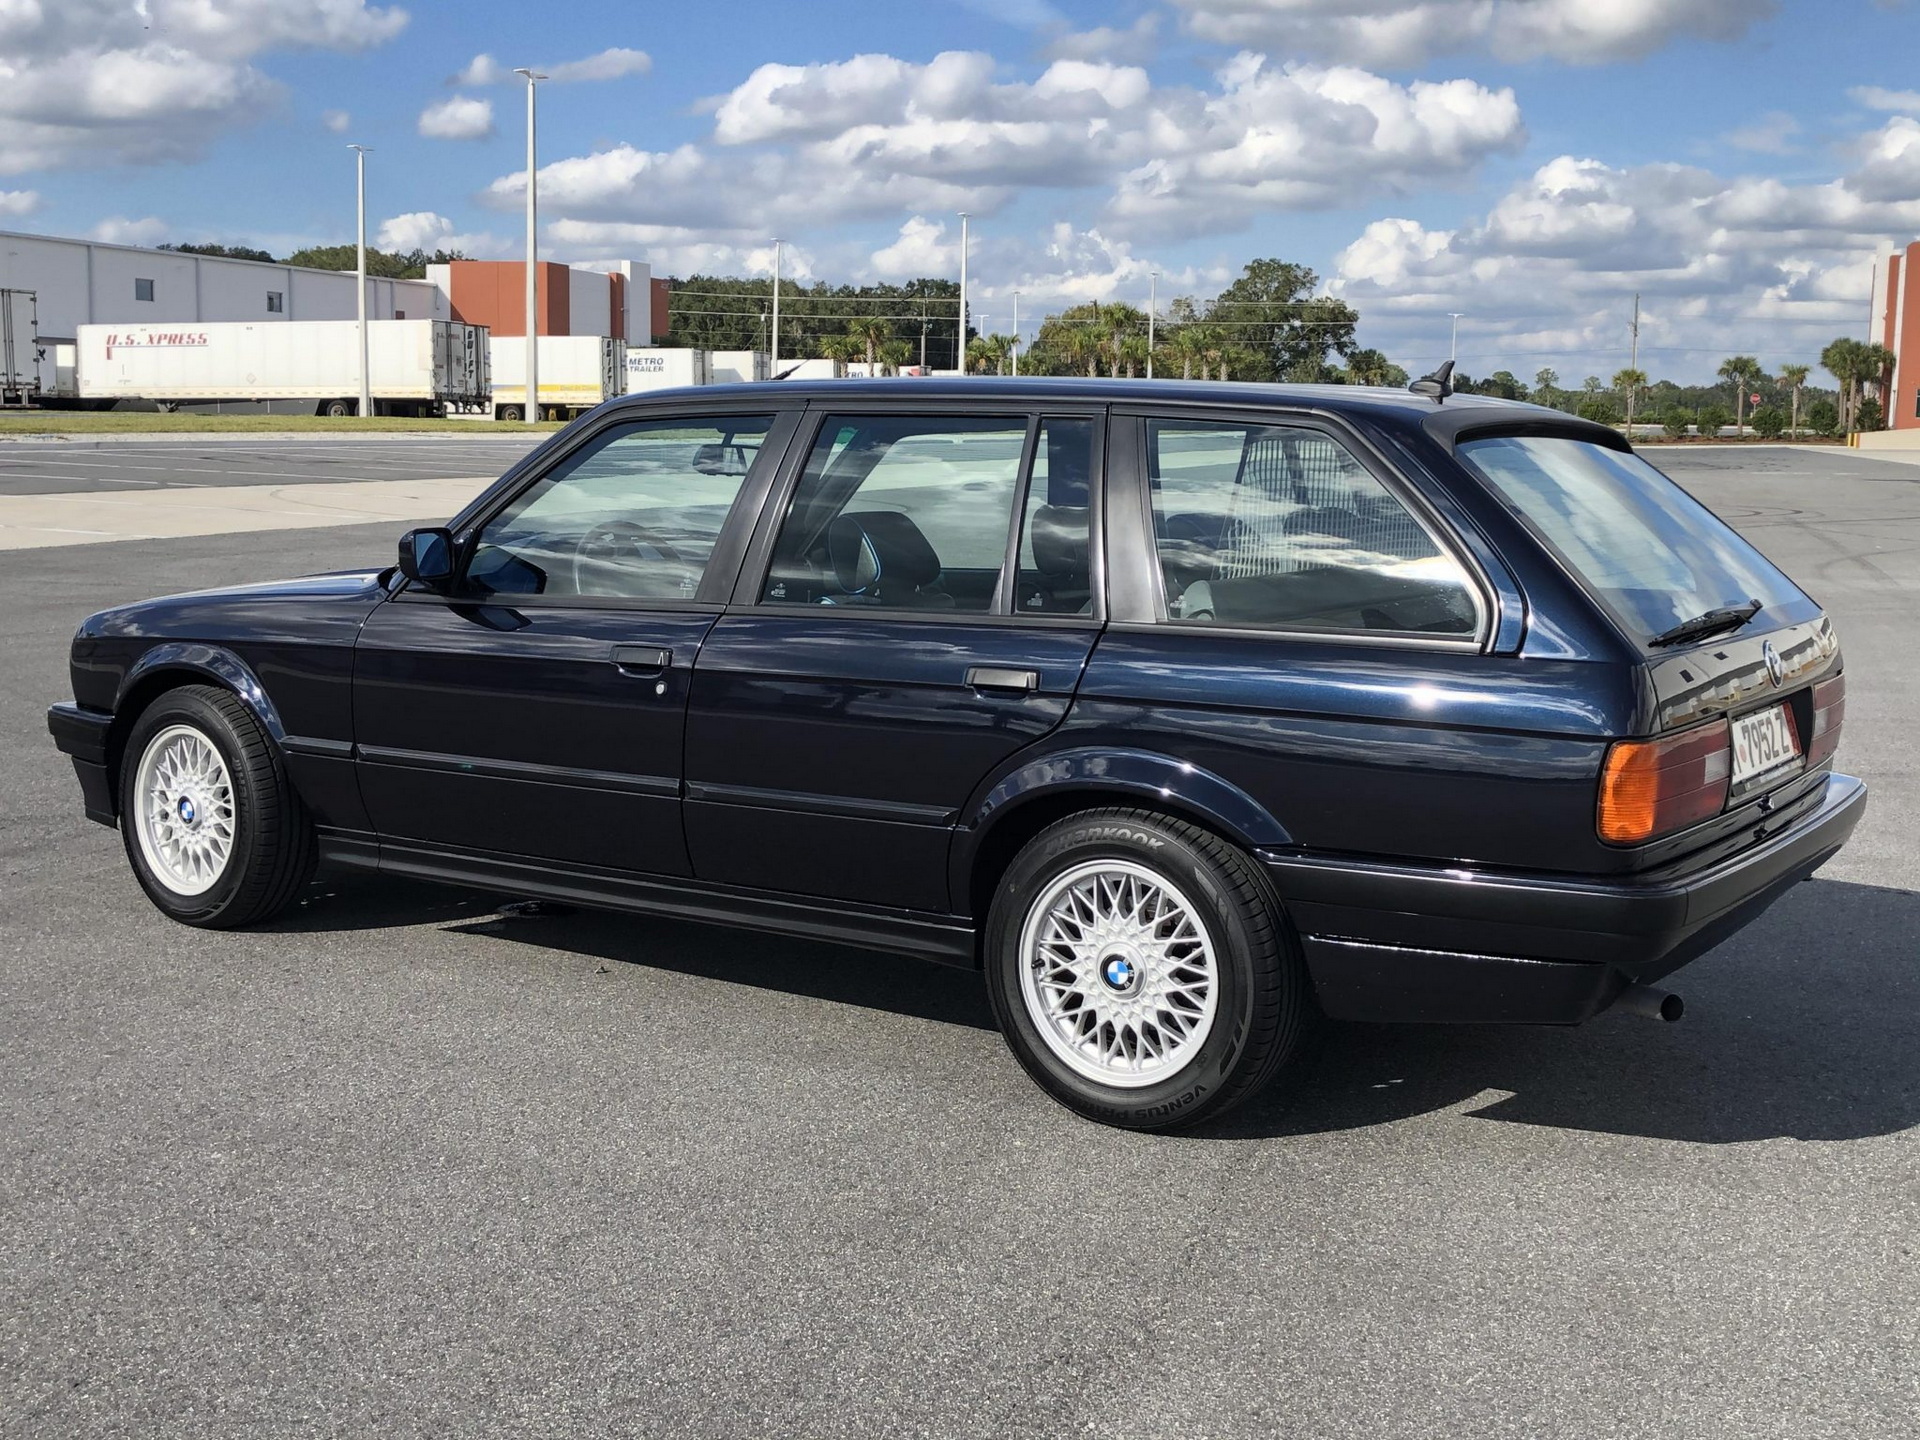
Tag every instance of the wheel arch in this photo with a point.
(1019, 804)
(174, 664)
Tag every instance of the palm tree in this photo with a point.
(872, 331)
(840, 349)
(1794, 377)
(1741, 370)
(894, 354)
(1182, 347)
(1843, 359)
(1628, 383)
(1120, 321)
(989, 352)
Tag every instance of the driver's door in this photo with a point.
(536, 708)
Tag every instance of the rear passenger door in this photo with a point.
(918, 605)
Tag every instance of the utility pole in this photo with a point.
(773, 356)
(1153, 304)
(1634, 363)
(960, 344)
(1453, 344)
(531, 410)
(360, 274)
(1015, 347)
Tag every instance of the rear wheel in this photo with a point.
(214, 831)
(1141, 970)
(337, 408)
(510, 412)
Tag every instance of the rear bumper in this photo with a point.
(1408, 943)
(82, 734)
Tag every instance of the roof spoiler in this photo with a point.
(1436, 386)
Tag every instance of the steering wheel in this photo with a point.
(615, 541)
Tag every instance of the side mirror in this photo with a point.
(426, 557)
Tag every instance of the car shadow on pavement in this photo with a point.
(1805, 1026)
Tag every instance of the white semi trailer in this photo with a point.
(414, 367)
(577, 372)
(23, 359)
(655, 367)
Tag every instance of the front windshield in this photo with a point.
(1647, 550)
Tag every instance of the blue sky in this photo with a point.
(1531, 163)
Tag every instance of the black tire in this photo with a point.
(273, 848)
(337, 409)
(510, 413)
(1263, 1003)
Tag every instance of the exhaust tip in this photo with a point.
(1654, 1004)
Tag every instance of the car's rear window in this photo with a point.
(1647, 550)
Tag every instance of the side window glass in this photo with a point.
(1279, 527)
(1056, 531)
(634, 517)
(905, 512)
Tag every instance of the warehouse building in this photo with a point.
(90, 282)
(1896, 325)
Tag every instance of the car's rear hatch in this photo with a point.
(1740, 668)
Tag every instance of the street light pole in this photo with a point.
(1153, 306)
(531, 409)
(960, 344)
(360, 274)
(1453, 344)
(773, 354)
(1015, 347)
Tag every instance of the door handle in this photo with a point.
(993, 677)
(641, 659)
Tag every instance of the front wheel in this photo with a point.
(216, 835)
(1141, 970)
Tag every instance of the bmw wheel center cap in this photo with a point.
(187, 812)
(1120, 975)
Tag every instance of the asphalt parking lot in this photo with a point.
(85, 466)
(403, 1165)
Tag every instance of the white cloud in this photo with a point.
(614, 64)
(921, 248)
(482, 70)
(337, 121)
(1397, 33)
(875, 135)
(1875, 97)
(1722, 265)
(105, 81)
(1772, 134)
(19, 202)
(119, 230)
(425, 230)
(458, 117)
(674, 250)
(1134, 45)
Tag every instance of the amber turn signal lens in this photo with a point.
(1829, 711)
(1650, 788)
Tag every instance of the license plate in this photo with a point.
(1763, 741)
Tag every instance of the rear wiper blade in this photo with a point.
(1729, 617)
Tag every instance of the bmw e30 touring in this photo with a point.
(1186, 713)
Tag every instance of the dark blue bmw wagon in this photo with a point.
(1187, 713)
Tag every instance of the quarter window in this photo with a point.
(1281, 527)
(1056, 531)
(633, 517)
(904, 512)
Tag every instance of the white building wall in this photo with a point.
(82, 282)
(589, 303)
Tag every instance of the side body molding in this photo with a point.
(216, 663)
(1145, 775)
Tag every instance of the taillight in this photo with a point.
(1650, 788)
(1829, 710)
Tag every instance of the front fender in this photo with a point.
(1122, 775)
(196, 657)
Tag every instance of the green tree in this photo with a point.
(840, 349)
(1823, 417)
(894, 354)
(1675, 423)
(1850, 363)
(1546, 386)
(406, 265)
(1600, 409)
(1794, 377)
(1869, 416)
(1740, 371)
(1629, 383)
(228, 252)
(1768, 423)
(1712, 419)
(1371, 367)
(1280, 324)
(872, 331)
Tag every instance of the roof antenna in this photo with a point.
(1436, 386)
